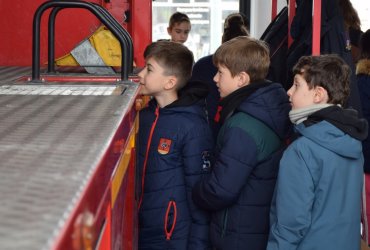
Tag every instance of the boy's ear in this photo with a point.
(169, 30)
(243, 79)
(321, 95)
(171, 83)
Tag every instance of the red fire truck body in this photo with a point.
(67, 143)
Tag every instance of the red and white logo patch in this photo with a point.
(164, 146)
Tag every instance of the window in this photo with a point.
(363, 11)
(206, 20)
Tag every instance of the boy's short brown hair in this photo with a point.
(178, 17)
(327, 71)
(175, 58)
(244, 54)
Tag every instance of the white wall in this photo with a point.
(261, 15)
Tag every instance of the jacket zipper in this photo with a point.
(147, 154)
(224, 223)
(171, 204)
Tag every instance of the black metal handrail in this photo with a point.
(51, 36)
(123, 32)
(124, 40)
(51, 39)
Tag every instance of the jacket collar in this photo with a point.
(231, 102)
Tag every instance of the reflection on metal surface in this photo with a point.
(50, 147)
(83, 231)
(86, 56)
(61, 90)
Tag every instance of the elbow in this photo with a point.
(212, 199)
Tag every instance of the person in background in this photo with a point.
(334, 39)
(352, 27)
(363, 83)
(317, 201)
(236, 24)
(250, 143)
(174, 141)
(179, 27)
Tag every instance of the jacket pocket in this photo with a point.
(170, 219)
(224, 223)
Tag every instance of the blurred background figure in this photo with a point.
(363, 81)
(338, 16)
(236, 24)
(352, 27)
(179, 27)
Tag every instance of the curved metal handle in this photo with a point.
(124, 41)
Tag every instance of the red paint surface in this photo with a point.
(72, 27)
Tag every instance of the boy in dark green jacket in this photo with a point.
(250, 143)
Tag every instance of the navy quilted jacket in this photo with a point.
(204, 71)
(239, 190)
(173, 151)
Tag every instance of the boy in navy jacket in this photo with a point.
(174, 143)
(250, 143)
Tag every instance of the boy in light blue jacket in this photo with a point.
(317, 201)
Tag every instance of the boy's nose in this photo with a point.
(289, 92)
(215, 78)
(140, 74)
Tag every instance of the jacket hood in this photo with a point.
(191, 93)
(270, 105)
(346, 120)
(191, 99)
(363, 67)
(336, 129)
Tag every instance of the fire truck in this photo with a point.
(69, 119)
(67, 144)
